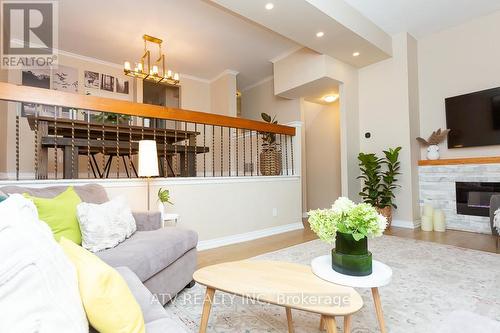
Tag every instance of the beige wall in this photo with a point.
(195, 95)
(457, 61)
(322, 150)
(223, 94)
(388, 109)
(261, 98)
(304, 66)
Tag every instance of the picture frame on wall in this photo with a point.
(122, 86)
(65, 78)
(91, 79)
(107, 82)
(39, 78)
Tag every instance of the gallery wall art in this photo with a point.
(91, 79)
(65, 79)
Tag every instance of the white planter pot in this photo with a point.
(433, 152)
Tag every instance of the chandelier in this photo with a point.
(143, 69)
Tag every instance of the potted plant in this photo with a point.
(270, 157)
(379, 177)
(164, 198)
(348, 225)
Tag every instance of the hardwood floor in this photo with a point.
(272, 243)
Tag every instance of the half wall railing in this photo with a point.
(57, 135)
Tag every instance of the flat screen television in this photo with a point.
(474, 119)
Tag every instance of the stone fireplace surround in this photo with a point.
(437, 187)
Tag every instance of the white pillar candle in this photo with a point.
(439, 221)
(428, 210)
(426, 223)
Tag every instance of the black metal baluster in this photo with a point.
(56, 110)
(286, 154)
(36, 142)
(103, 138)
(18, 107)
(258, 153)
(237, 157)
(204, 153)
(117, 148)
(130, 149)
(186, 166)
(229, 156)
(195, 148)
(88, 144)
(72, 115)
(165, 162)
(175, 148)
(251, 153)
(221, 151)
(213, 151)
(291, 153)
(244, 153)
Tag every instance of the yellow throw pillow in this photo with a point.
(108, 302)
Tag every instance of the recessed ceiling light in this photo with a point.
(320, 34)
(269, 5)
(330, 98)
(356, 54)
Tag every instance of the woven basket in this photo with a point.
(270, 162)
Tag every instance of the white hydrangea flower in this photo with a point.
(382, 223)
(343, 205)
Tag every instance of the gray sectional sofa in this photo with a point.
(154, 260)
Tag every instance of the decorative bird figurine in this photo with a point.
(436, 138)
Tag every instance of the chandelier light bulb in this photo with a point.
(126, 65)
(139, 67)
(155, 70)
(176, 76)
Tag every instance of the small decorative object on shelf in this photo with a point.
(270, 157)
(439, 221)
(379, 184)
(432, 143)
(348, 225)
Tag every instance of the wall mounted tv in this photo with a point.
(474, 119)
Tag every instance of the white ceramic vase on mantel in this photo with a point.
(433, 152)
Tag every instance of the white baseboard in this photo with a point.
(248, 236)
(405, 224)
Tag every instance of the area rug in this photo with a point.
(429, 282)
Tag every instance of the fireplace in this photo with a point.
(473, 198)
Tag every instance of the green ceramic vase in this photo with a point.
(351, 257)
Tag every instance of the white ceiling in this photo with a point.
(200, 39)
(422, 17)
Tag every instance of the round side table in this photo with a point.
(381, 276)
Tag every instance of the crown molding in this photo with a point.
(258, 83)
(225, 72)
(286, 54)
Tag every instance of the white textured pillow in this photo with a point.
(106, 225)
(38, 284)
(496, 220)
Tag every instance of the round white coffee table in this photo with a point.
(381, 276)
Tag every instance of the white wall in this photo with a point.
(215, 208)
(323, 167)
(457, 61)
(388, 109)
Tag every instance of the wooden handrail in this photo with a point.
(25, 94)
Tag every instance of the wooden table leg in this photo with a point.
(289, 320)
(347, 323)
(322, 326)
(331, 324)
(378, 309)
(207, 306)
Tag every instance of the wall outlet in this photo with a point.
(275, 212)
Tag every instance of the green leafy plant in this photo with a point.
(269, 139)
(113, 118)
(379, 176)
(361, 220)
(164, 196)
